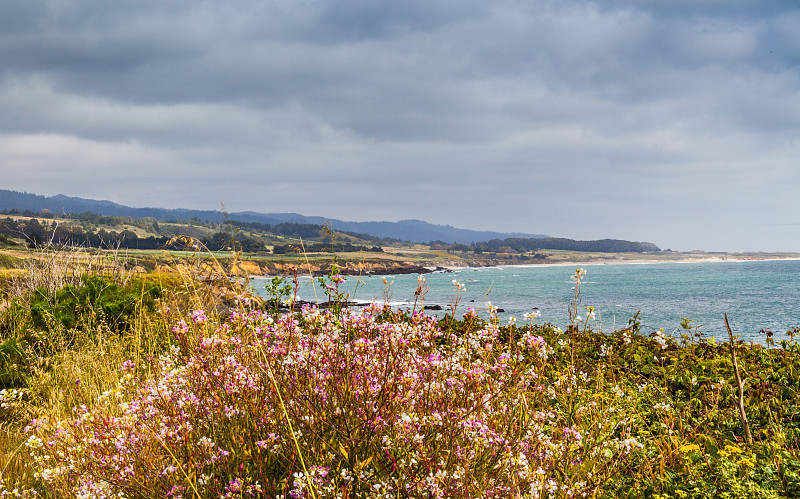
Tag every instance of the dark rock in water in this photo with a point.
(499, 310)
(472, 301)
(413, 269)
(344, 304)
(322, 305)
(433, 307)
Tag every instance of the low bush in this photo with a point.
(37, 327)
(96, 299)
(367, 404)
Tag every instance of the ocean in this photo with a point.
(756, 295)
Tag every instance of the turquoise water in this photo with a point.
(754, 294)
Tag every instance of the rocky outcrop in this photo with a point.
(254, 267)
(384, 267)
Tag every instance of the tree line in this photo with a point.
(324, 247)
(38, 233)
(524, 245)
(558, 243)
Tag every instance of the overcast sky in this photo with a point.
(670, 121)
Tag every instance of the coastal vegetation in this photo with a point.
(560, 243)
(266, 249)
(91, 230)
(183, 383)
(99, 231)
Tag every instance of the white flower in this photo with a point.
(169, 469)
(630, 444)
(659, 338)
(205, 442)
(532, 315)
(579, 273)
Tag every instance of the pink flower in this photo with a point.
(199, 317)
(572, 434)
(180, 327)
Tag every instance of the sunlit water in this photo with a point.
(754, 294)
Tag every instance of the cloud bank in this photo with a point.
(674, 122)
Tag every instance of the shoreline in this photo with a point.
(567, 263)
(655, 262)
(597, 262)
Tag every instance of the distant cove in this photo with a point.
(754, 294)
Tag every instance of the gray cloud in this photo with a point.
(669, 121)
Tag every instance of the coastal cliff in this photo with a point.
(255, 268)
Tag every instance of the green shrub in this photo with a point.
(34, 329)
(98, 299)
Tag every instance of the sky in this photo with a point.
(675, 122)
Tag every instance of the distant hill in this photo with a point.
(416, 231)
